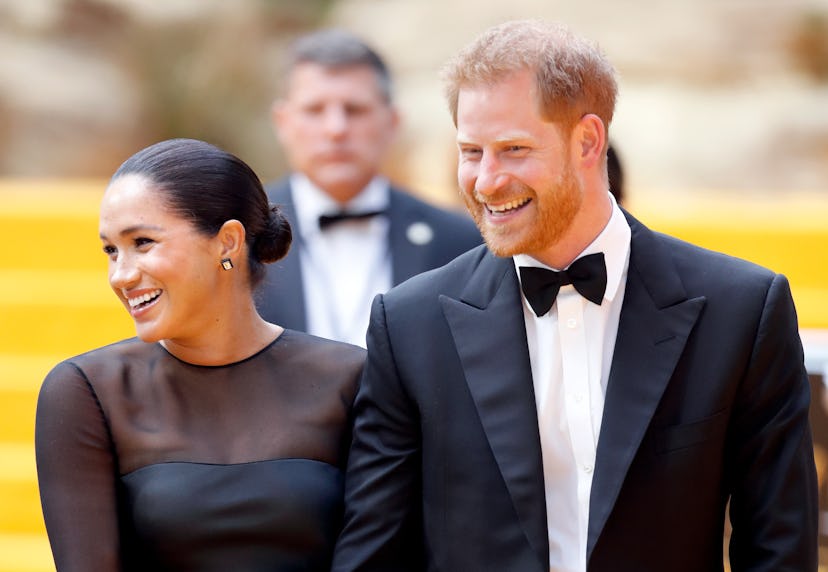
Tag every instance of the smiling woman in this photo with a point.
(215, 439)
(156, 268)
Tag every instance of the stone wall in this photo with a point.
(729, 95)
(715, 94)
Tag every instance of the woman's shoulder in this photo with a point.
(91, 364)
(123, 350)
(321, 358)
(79, 379)
(308, 346)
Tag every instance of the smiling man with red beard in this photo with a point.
(581, 393)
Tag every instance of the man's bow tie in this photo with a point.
(588, 275)
(327, 220)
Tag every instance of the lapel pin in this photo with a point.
(419, 233)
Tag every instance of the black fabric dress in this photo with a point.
(146, 462)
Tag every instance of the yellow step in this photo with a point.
(19, 495)
(20, 379)
(61, 243)
(58, 312)
(17, 413)
(786, 232)
(25, 553)
(52, 224)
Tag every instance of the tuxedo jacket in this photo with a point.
(281, 298)
(706, 402)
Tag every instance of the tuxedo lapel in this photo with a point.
(408, 235)
(490, 337)
(282, 295)
(656, 320)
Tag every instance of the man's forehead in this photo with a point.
(309, 78)
(465, 135)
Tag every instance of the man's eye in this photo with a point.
(313, 109)
(356, 110)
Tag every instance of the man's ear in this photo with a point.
(394, 125)
(231, 237)
(588, 140)
(277, 117)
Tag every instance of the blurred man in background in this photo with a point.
(356, 234)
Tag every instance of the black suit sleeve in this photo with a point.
(383, 527)
(773, 507)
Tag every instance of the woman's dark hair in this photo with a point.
(209, 186)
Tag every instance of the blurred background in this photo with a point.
(722, 129)
(725, 94)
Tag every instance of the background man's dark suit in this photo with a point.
(446, 452)
(281, 298)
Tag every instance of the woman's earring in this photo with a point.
(226, 263)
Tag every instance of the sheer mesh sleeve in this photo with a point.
(77, 473)
(147, 462)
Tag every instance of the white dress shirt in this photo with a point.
(570, 349)
(344, 266)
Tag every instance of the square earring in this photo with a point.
(226, 263)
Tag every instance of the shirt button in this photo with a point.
(579, 397)
(587, 468)
(571, 323)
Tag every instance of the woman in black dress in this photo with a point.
(214, 440)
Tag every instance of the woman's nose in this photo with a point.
(123, 273)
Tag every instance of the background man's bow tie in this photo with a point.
(327, 220)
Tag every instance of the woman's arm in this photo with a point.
(77, 473)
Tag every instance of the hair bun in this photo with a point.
(273, 242)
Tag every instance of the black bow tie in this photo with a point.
(327, 220)
(588, 275)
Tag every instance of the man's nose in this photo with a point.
(490, 175)
(336, 120)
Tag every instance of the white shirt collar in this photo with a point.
(613, 241)
(310, 201)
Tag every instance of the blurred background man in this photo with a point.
(355, 234)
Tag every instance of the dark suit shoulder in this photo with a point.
(449, 280)
(709, 265)
(442, 220)
(701, 271)
(278, 190)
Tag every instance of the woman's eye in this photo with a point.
(143, 241)
(110, 250)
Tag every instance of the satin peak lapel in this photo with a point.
(490, 336)
(656, 320)
(408, 257)
(281, 299)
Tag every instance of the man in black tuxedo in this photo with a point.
(354, 233)
(512, 418)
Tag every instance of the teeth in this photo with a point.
(144, 298)
(508, 206)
